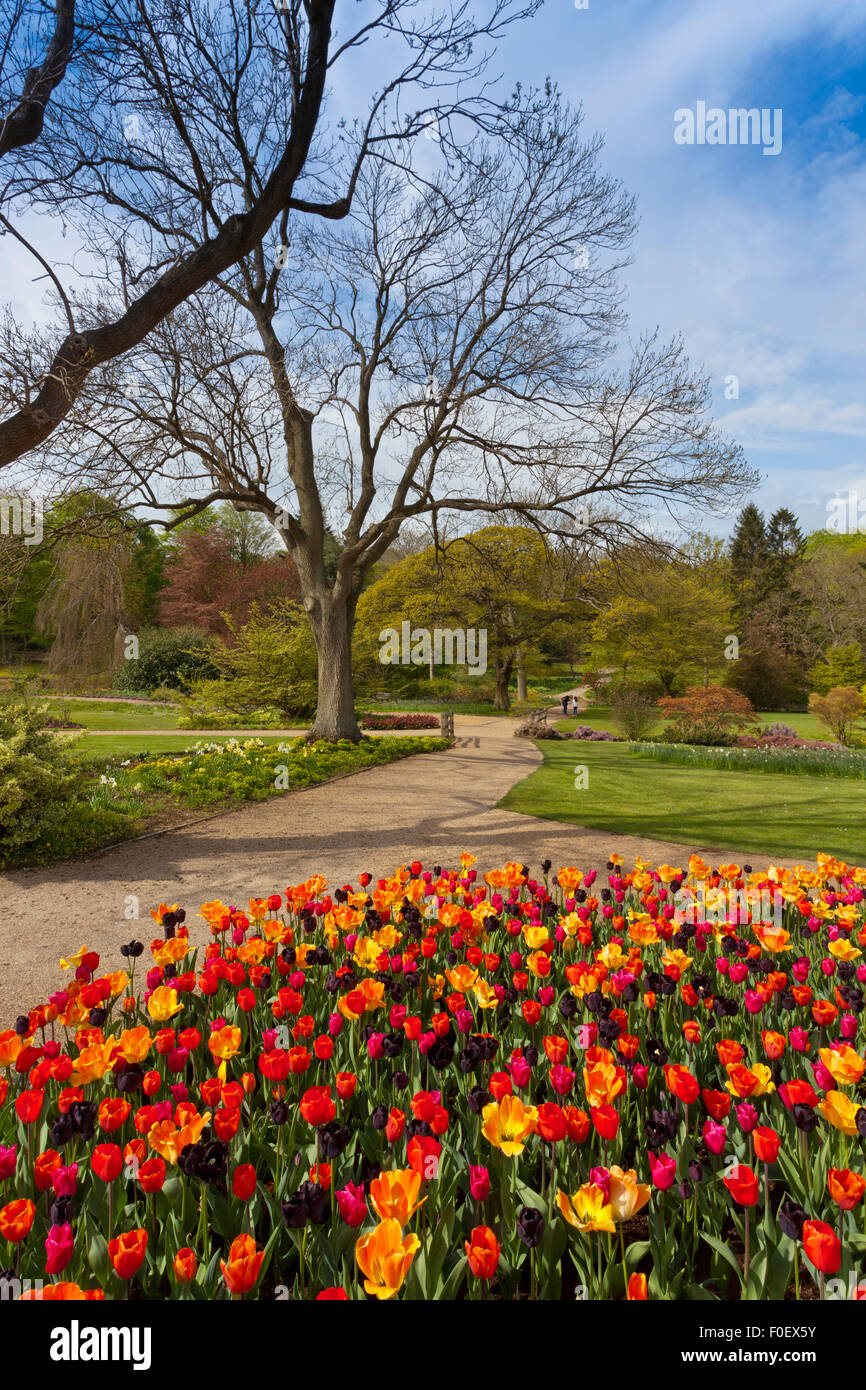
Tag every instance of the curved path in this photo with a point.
(429, 807)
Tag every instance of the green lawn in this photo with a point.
(480, 707)
(774, 814)
(599, 717)
(115, 714)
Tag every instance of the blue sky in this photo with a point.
(759, 260)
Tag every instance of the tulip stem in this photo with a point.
(746, 1255)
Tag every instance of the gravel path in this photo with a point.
(430, 807)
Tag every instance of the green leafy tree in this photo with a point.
(667, 619)
(271, 663)
(842, 666)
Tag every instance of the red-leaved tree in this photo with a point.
(205, 582)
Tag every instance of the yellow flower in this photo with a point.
(508, 1123)
(74, 961)
(462, 977)
(384, 1257)
(169, 1142)
(839, 1111)
(844, 1064)
(163, 1004)
(225, 1042)
(394, 1195)
(117, 981)
(93, 1062)
(587, 1209)
(843, 950)
(135, 1043)
(484, 995)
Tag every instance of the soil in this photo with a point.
(430, 807)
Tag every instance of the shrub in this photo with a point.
(778, 729)
(272, 662)
(537, 728)
(83, 828)
(197, 714)
(596, 735)
(39, 777)
(706, 714)
(838, 709)
(171, 658)
(842, 666)
(633, 710)
(709, 733)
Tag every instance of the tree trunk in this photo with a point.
(521, 677)
(503, 676)
(332, 621)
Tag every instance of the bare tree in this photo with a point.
(185, 131)
(26, 86)
(441, 353)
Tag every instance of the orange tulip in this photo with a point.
(241, 1270)
(846, 1188)
(637, 1289)
(185, 1265)
(16, 1219)
(127, 1252)
(394, 1195)
(482, 1251)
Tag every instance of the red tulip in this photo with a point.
(822, 1246)
(742, 1183)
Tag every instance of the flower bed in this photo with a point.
(439, 1086)
(399, 721)
(813, 760)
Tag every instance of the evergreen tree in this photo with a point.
(785, 545)
(750, 560)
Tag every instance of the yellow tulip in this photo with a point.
(163, 1004)
(507, 1123)
(844, 1064)
(225, 1042)
(839, 1111)
(384, 1257)
(587, 1209)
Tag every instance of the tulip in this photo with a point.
(846, 1188)
(663, 1170)
(587, 1209)
(127, 1252)
(16, 1219)
(241, 1271)
(185, 1265)
(353, 1204)
(482, 1252)
(742, 1183)
(244, 1182)
(627, 1196)
(394, 1194)
(384, 1257)
(59, 1245)
(106, 1160)
(479, 1183)
(508, 1124)
(822, 1246)
(637, 1289)
(767, 1143)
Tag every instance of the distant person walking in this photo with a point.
(564, 703)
